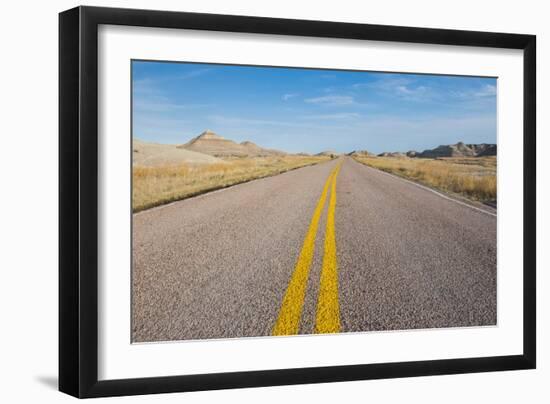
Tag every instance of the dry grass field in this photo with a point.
(471, 177)
(153, 186)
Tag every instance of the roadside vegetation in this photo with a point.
(153, 186)
(471, 177)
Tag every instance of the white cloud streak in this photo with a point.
(238, 121)
(162, 104)
(342, 115)
(288, 96)
(486, 91)
(331, 100)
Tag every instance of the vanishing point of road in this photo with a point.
(334, 247)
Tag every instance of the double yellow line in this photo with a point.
(328, 312)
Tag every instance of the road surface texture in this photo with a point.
(335, 247)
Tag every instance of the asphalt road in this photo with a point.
(336, 247)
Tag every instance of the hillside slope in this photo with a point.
(155, 154)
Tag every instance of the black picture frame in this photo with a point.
(78, 201)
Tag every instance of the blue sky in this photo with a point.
(310, 110)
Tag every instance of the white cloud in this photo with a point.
(386, 83)
(148, 86)
(406, 88)
(244, 124)
(487, 91)
(228, 120)
(401, 87)
(420, 93)
(331, 100)
(154, 103)
(288, 96)
(342, 115)
(194, 73)
(482, 94)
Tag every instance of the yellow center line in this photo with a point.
(288, 321)
(328, 309)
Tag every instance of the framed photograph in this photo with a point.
(251, 201)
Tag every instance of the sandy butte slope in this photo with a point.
(210, 143)
(254, 150)
(155, 154)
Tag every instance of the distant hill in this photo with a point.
(392, 154)
(212, 144)
(454, 150)
(330, 153)
(460, 150)
(358, 153)
(155, 154)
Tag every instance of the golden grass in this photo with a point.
(472, 177)
(153, 186)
